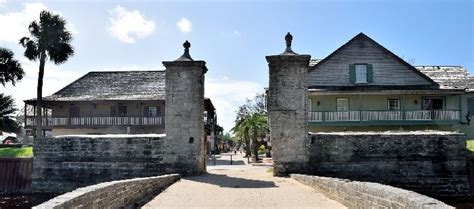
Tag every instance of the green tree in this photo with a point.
(10, 69)
(251, 123)
(253, 127)
(7, 111)
(48, 39)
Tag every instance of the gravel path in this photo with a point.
(240, 186)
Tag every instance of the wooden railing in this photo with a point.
(96, 121)
(369, 115)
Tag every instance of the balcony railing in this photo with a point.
(96, 121)
(412, 115)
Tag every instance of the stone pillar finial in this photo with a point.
(186, 46)
(186, 56)
(288, 39)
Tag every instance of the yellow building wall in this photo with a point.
(379, 102)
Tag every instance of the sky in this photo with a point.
(233, 37)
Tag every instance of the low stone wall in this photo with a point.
(354, 194)
(430, 163)
(62, 164)
(115, 194)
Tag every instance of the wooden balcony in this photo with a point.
(371, 117)
(96, 121)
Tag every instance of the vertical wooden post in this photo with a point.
(402, 106)
(25, 116)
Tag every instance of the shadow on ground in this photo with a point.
(231, 182)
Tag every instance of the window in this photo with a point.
(393, 104)
(118, 111)
(433, 104)
(74, 111)
(152, 112)
(361, 73)
(342, 104)
(310, 104)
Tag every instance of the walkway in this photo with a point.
(240, 186)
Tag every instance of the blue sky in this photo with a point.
(234, 37)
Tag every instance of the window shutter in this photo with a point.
(145, 111)
(352, 76)
(470, 106)
(370, 72)
(113, 111)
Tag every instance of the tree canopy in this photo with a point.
(49, 39)
(10, 69)
(7, 111)
(251, 123)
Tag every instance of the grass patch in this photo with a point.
(470, 145)
(16, 152)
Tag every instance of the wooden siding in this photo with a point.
(387, 70)
(15, 175)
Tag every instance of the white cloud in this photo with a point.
(16, 23)
(184, 25)
(127, 25)
(227, 95)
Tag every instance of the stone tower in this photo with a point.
(287, 110)
(184, 107)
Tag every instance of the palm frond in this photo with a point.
(10, 69)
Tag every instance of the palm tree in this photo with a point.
(252, 126)
(241, 130)
(259, 128)
(49, 39)
(7, 109)
(10, 69)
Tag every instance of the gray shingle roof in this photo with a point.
(114, 85)
(449, 77)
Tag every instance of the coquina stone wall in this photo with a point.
(355, 194)
(431, 163)
(63, 164)
(116, 194)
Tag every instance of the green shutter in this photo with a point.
(352, 74)
(370, 72)
(470, 106)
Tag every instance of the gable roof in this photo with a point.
(362, 36)
(449, 77)
(113, 85)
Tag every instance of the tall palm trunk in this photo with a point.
(248, 153)
(39, 97)
(255, 147)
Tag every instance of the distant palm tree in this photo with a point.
(252, 126)
(49, 39)
(7, 110)
(10, 69)
(241, 130)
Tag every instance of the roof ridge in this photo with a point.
(438, 66)
(126, 71)
(383, 49)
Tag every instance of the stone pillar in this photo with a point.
(287, 110)
(184, 108)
